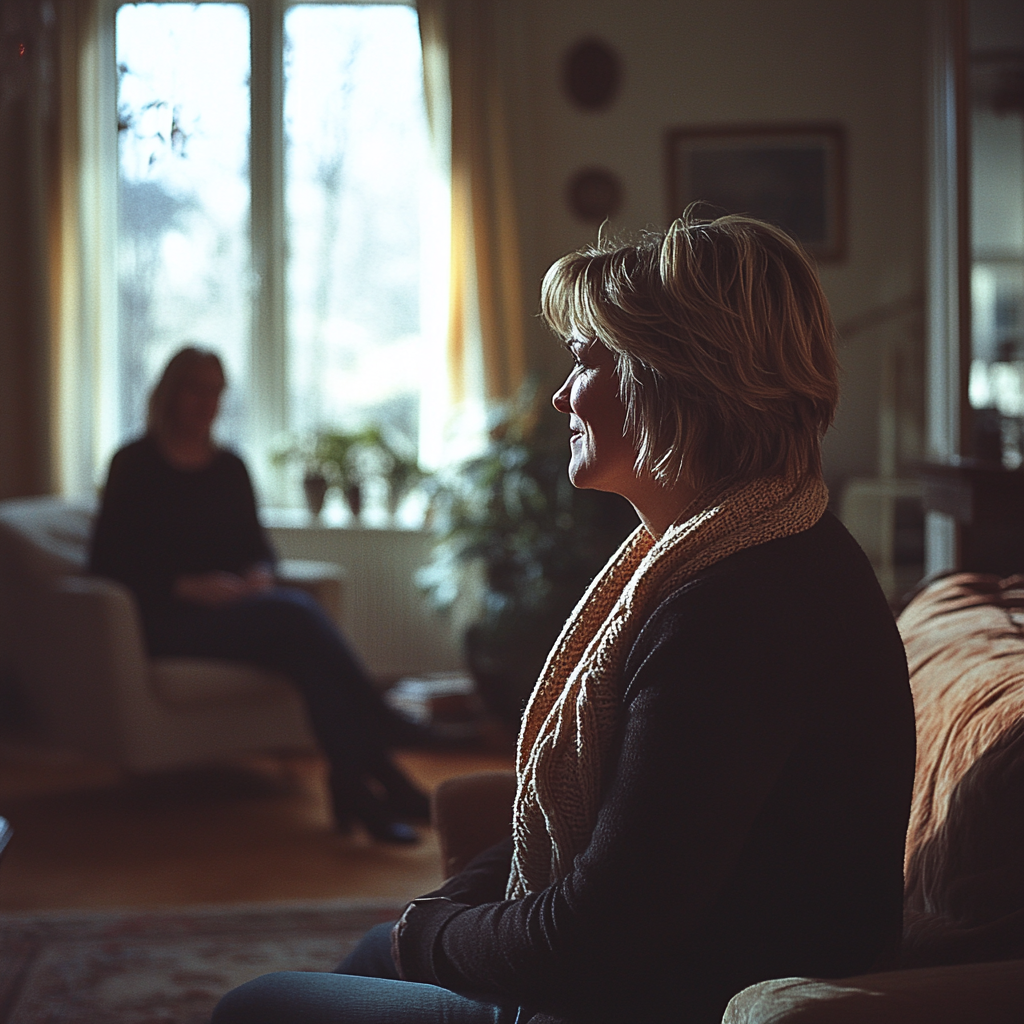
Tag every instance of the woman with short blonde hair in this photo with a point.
(715, 767)
(723, 344)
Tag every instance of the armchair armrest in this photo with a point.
(472, 813)
(85, 661)
(963, 994)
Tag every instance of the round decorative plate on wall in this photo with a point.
(594, 194)
(591, 74)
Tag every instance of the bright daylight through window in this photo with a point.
(354, 140)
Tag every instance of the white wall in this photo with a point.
(717, 62)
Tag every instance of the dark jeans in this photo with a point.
(286, 630)
(364, 990)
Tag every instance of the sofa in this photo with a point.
(962, 960)
(72, 646)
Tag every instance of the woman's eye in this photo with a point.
(582, 352)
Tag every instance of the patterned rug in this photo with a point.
(164, 967)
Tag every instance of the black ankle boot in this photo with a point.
(354, 801)
(404, 798)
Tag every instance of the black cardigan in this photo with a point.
(157, 522)
(754, 822)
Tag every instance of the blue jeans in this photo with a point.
(364, 990)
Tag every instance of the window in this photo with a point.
(183, 196)
(271, 163)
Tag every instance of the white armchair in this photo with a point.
(73, 644)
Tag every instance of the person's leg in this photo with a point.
(321, 663)
(302, 997)
(372, 956)
(286, 630)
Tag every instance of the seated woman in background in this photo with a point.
(178, 526)
(715, 768)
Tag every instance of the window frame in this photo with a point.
(86, 456)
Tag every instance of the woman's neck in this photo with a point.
(659, 505)
(187, 452)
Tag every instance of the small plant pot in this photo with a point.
(396, 495)
(314, 486)
(354, 499)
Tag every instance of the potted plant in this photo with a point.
(510, 523)
(343, 456)
(334, 458)
(315, 483)
(400, 469)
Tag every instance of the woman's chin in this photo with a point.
(583, 478)
(577, 476)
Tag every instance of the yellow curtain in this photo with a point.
(82, 217)
(468, 113)
(26, 104)
(58, 139)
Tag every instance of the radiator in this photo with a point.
(386, 619)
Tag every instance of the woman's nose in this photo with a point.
(560, 399)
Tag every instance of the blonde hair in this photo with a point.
(723, 342)
(177, 371)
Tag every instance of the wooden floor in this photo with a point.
(258, 829)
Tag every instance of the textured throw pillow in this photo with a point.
(964, 636)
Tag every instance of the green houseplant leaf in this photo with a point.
(509, 522)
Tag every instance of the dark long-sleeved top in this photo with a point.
(157, 522)
(754, 822)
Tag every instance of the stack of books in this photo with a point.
(444, 702)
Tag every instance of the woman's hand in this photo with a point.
(420, 908)
(396, 935)
(259, 578)
(212, 589)
(215, 589)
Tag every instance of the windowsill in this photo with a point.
(336, 518)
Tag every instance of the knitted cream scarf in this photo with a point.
(572, 717)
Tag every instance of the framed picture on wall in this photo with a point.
(791, 175)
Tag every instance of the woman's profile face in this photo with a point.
(197, 401)
(601, 457)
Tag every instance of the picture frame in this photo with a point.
(791, 175)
